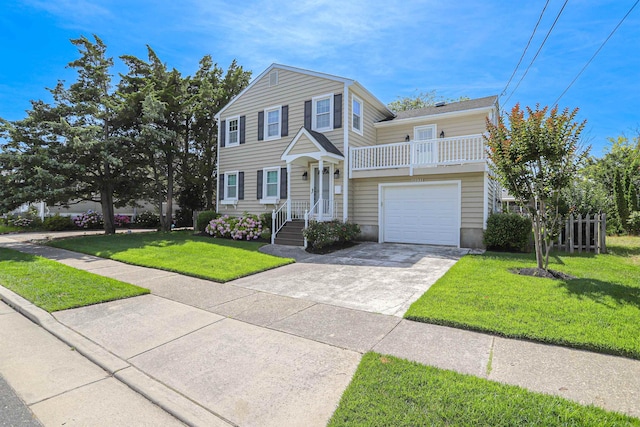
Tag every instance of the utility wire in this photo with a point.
(597, 51)
(504, 91)
(539, 49)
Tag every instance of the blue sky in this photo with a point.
(394, 48)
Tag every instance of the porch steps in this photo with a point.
(291, 234)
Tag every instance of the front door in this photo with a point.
(323, 208)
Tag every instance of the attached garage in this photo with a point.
(420, 212)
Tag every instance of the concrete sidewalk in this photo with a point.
(221, 354)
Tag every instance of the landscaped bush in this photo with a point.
(507, 232)
(58, 223)
(147, 219)
(204, 218)
(321, 234)
(121, 221)
(246, 227)
(633, 223)
(21, 221)
(265, 218)
(89, 220)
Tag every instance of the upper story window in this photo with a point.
(356, 115)
(424, 133)
(233, 131)
(272, 123)
(323, 113)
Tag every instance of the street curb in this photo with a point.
(157, 393)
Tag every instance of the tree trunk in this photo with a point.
(537, 237)
(106, 201)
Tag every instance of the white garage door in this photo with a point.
(421, 213)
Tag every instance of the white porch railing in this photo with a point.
(324, 210)
(298, 208)
(278, 220)
(433, 152)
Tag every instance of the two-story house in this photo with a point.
(297, 141)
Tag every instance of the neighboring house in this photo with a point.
(299, 141)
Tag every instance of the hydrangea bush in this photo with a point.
(121, 221)
(246, 227)
(89, 219)
(21, 222)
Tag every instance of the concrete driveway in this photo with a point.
(376, 277)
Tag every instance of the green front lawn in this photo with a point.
(600, 310)
(53, 286)
(386, 391)
(9, 229)
(220, 260)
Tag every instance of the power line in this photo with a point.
(539, 49)
(525, 49)
(597, 51)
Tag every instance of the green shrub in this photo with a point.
(204, 218)
(321, 234)
(633, 223)
(265, 218)
(58, 223)
(507, 232)
(147, 219)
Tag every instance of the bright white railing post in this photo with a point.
(273, 226)
(306, 225)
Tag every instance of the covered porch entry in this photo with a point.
(311, 195)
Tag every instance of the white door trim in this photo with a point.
(382, 187)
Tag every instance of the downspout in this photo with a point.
(217, 119)
(346, 163)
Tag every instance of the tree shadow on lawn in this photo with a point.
(608, 294)
(7, 254)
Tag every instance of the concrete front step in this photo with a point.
(291, 234)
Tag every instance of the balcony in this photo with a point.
(419, 154)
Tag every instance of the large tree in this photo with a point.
(71, 150)
(420, 100)
(535, 157)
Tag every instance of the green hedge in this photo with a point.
(204, 218)
(507, 232)
(321, 234)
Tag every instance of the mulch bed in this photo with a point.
(331, 248)
(540, 272)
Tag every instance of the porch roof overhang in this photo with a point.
(307, 146)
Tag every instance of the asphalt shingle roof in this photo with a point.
(471, 104)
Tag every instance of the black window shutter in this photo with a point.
(283, 183)
(259, 187)
(260, 125)
(242, 126)
(240, 185)
(337, 110)
(307, 114)
(284, 131)
(223, 132)
(221, 186)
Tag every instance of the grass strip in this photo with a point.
(53, 286)
(387, 391)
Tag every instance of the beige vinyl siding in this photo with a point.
(365, 196)
(293, 89)
(371, 115)
(457, 126)
(304, 145)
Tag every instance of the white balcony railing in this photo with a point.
(412, 154)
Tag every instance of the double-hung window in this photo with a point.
(231, 186)
(271, 183)
(233, 131)
(323, 113)
(272, 123)
(356, 115)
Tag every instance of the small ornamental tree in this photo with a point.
(534, 158)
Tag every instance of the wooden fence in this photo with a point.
(588, 234)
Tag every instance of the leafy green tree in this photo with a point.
(71, 150)
(535, 158)
(420, 100)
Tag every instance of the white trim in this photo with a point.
(345, 162)
(265, 199)
(314, 112)
(230, 200)
(227, 125)
(331, 169)
(355, 99)
(265, 124)
(439, 116)
(217, 119)
(320, 154)
(383, 186)
(485, 204)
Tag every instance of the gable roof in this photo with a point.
(471, 104)
(344, 80)
(325, 148)
(324, 142)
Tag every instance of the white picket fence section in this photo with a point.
(584, 234)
